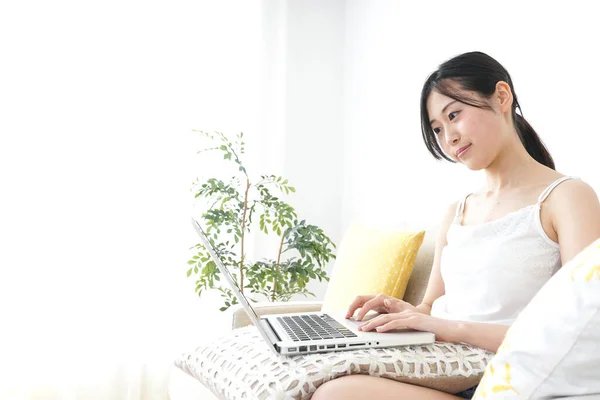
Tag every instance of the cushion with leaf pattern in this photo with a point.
(239, 365)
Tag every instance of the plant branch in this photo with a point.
(243, 234)
(237, 158)
(277, 265)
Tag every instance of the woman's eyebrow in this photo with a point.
(443, 109)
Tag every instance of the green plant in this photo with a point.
(231, 210)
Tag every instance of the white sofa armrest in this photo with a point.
(240, 317)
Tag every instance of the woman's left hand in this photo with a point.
(444, 330)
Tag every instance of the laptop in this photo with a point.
(314, 332)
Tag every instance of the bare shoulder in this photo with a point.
(574, 210)
(449, 215)
(572, 192)
(451, 210)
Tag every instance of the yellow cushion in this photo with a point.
(371, 261)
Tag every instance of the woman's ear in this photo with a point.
(503, 96)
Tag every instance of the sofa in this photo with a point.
(182, 386)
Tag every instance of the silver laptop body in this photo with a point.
(314, 332)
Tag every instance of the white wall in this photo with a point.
(98, 102)
(302, 112)
(314, 147)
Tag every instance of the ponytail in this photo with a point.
(532, 142)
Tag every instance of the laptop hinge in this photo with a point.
(271, 333)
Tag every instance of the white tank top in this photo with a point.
(492, 270)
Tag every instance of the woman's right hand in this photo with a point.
(380, 303)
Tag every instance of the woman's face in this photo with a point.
(469, 135)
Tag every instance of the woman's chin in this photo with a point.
(473, 166)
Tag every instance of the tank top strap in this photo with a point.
(461, 206)
(550, 188)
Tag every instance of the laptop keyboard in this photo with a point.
(314, 327)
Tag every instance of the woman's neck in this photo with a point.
(512, 168)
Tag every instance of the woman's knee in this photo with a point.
(334, 389)
(365, 386)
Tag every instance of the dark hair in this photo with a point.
(478, 72)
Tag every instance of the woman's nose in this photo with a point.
(452, 138)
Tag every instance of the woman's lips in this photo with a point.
(462, 151)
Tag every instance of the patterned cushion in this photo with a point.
(553, 348)
(371, 261)
(241, 366)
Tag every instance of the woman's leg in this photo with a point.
(371, 387)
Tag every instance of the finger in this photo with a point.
(394, 305)
(375, 322)
(373, 303)
(356, 303)
(403, 321)
(387, 318)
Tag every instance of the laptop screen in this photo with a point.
(228, 277)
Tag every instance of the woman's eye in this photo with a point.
(452, 115)
(437, 130)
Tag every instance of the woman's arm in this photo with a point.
(435, 286)
(485, 336)
(575, 214)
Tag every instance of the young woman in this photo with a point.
(498, 245)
